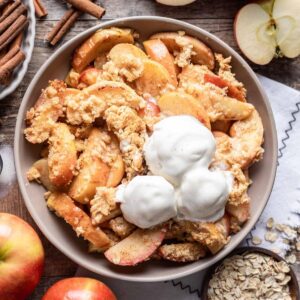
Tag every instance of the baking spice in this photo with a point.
(250, 276)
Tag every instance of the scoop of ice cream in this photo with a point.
(147, 201)
(177, 144)
(202, 195)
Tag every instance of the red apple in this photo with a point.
(79, 288)
(21, 258)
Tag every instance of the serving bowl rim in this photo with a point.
(47, 231)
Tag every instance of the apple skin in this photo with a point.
(21, 258)
(79, 288)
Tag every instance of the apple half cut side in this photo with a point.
(286, 14)
(136, 248)
(255, 33)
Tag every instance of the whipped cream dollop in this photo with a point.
(178, 153)
(147, 201)
(178, 144)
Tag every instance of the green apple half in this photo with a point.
(261, 29)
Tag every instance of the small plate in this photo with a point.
(27, 47)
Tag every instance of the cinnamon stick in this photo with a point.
(4, 2)
(88, 7)
(62, 26)
(8, 9)
(12, 17)
(9, 55)
(9, 34)
(9, 66)
(17, 42)
(40, 9)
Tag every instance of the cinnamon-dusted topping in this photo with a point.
(207, 234)
(65, 208)
(184, 55)
(121, 227)
(103, 206)
(131, 132)
(225, 72)
(43, 116)
(92, 101)
(183, 252)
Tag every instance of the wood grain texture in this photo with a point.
(213, 15)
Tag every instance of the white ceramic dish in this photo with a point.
(27, 47)
(61, 235)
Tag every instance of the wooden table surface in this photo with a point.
(214, 16)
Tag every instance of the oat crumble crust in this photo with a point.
(131, 132)
(103, 205)
(183, 252)
(43, 116)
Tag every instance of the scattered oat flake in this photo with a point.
(298, 246)
(270, 223)
(256, 240)
(291, 259)
(271, 236)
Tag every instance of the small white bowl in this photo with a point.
(27, 47)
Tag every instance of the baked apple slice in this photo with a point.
(137, 247)
(101, 41)
(155, 79)
(203, 55)
(180, 103)
(158, 51)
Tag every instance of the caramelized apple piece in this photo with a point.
(64, 207)
(154, 80)
(40, 173)
(62, 155)
(158, 51)
(100, 42)
(232, 91)
(180, 103)
(89, 76)
(93, 171)
(241, 211)
(202, 55)
(116, 172)
(135, 248)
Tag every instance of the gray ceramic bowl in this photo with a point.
(61, 235)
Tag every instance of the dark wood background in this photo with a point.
(215, 16)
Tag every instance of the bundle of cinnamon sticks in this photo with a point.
(13, 21)
(71, 15)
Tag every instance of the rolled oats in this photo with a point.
(256, 240)
(250, 276)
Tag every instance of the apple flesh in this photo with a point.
(255, 34)
(21, 258)
(286, 14)
(136, 248)
(79, 288)
(263, 27)
(175, 2)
